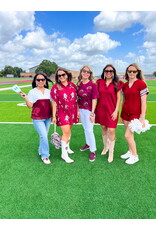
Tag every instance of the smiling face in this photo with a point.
(85, 73)
(109, 72)
(62, 76)
(132, 72)
(40, 81)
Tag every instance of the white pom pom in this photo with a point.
(136, 126)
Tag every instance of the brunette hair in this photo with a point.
(64, 70)
(46, 78)
(115, 77)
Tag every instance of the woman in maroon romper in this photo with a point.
(107, 107)
(65, 107)
(134, 107)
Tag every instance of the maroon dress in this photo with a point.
(106, 103)
(66, 104)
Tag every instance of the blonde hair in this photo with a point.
(139, 74)
(91, 77)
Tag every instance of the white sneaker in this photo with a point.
(126, 155)
(46, 161)
(132, 160)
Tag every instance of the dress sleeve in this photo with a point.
(120, 85)
(143, 88)
(54, 93)
(95, 93)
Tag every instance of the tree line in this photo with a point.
(45, 66)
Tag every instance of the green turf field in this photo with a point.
(82, 190)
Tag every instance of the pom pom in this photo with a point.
(136, 126)
(55, 139)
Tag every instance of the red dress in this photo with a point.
(66, 104)
(106, 103)
(132, 99)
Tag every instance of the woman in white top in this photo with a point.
(39, 100)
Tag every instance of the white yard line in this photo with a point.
(24, 86)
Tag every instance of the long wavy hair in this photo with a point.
(64, 70)
(115, 78)
(91, 77)
(139, 75)
(46, 78)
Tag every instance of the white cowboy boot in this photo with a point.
(106, 142)
(111, 151)
(69, 149)
(64, 154)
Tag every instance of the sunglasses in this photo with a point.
(132, 71)
(86, 71)
(61, 75)
(40, 79)
(109, 71)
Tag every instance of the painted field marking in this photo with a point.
(24, 86)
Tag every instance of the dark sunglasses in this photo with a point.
(132, 71)
(109, 71)
(40, 79)
(61, 75)
(86, 71)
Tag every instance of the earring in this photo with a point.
(104, 76)
(113, 76)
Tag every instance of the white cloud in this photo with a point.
(119, 21)
(149, 45)
(131, 55)
(31, 47)
(150, 48)
(12, 23)
(113, 21)
(149, 21)
(37, 39)
(94, 43)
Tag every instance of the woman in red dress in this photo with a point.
(134, 106)
(107, 107)
(65, 107)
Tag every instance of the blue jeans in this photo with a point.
(88, 129)
(42, 127)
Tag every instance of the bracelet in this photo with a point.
(53, 117)
(141, 118)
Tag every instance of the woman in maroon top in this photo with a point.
(107, 107)
(87, 99)
(65, 108)
(39, 101)
(134, 107)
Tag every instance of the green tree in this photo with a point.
(1, 73)
(47, 67)
(18, 71)
(8, 70)
(154, 73)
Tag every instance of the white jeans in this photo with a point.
(88, 129)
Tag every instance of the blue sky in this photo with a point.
(75, 38)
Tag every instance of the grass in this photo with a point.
(82, 190)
